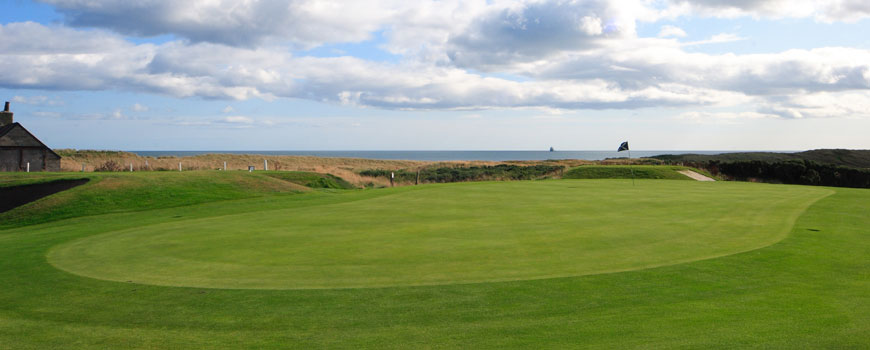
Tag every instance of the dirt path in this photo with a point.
(695, 175)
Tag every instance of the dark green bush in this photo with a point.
(475, 173)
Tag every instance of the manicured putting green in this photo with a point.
(447, 234)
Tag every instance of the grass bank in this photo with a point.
(121, 192)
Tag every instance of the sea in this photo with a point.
(442, 155)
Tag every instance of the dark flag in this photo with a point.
(623, 147)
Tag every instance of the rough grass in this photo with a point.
(118, 192)
(625, 172)
(346, 168)
(312, 180)
(807, 291)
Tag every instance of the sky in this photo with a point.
(438, 75)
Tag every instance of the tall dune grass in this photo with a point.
(346, 168)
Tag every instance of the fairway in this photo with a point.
(447, 234)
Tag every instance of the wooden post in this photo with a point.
(417, 180)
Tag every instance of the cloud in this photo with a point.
(530, 31)
(139, 108)
(672, 31)
(236, 120)
(706, 116)
(826, 11)
(37, 100)
(117, 115)
(558, 55)
(228, 109)
(242, 23)
(716, 39)
(653, 62)
(819, 105)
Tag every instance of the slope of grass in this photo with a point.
(625, 172)
(312, 180)
(807, 291)
(20, 178)
(119, 192)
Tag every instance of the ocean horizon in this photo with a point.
(446, 155)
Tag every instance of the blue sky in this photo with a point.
(438, 75)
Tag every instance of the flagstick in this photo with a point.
(631, 168)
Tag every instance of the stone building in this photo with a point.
(20, 150)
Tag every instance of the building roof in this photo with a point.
(5, 129)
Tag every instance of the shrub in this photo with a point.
(475, 173)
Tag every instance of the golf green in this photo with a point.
(448, 234)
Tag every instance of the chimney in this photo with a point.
(6, 115)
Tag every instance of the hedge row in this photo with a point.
(475, 173)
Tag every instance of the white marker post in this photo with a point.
(225, 166)
(265, 164)
(146, 164)
(392, 176)
(179, 166)
(131, 167)
(83, 167)
(28, 167)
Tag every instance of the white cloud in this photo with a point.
(716, 39)
(672, 31)
(37, 100)
(705, 116)
(241, 23)
(557, 55)
(139, 108)
(820, 105)
(236, 120)
(524, 32)
(826, 11)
